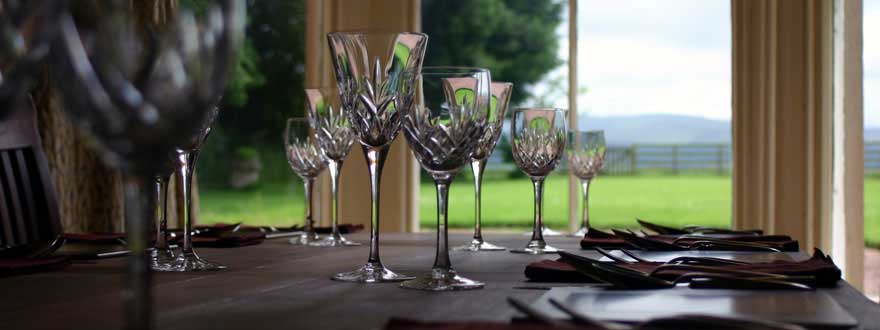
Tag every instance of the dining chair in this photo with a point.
(30, 223)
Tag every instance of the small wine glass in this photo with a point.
(307, 160)
(376, 74)
(333, 134)
(586, 156)
(501, 92)
(538, 142)
(442, 131)
(161, 254)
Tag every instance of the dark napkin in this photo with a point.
(406, 324)
(95, 238)
(596, 238)
(226, 239)
(819, 266)
(21, 266)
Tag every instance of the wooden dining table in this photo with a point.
(275, 285)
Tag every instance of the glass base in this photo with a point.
(477, 245)
(190, 262)
(546, 232)
(160, 260)
(536, 247)
(307, 239)
(442, 280)
(580, 232)
(372, 272)
(334, 241)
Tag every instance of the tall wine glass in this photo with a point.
(139, 101)
(188, 155)
(376, 74)
(442, 131)
(586, 156)
(333, 134)
(307, 161)
(501, 92)
(538, 142)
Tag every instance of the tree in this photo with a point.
(515, 39)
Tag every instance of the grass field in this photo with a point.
(614, 201)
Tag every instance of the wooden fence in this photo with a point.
(668, 159)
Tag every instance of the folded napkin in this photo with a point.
(21, 266)
(595, 238)
(820, 266)
(406, 324)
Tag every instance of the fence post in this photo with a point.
(632, 159)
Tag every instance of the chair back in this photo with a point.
(30, 223)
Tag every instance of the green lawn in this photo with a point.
(615, 202)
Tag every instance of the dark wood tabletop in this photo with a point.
(275, 285)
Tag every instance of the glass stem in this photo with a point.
(309, 220)
(161, 212)
(188, 162)
(138, 301)
(477, 166)
(375, 161)
(585, 188)
(333, 166)
(537, 229)
(441, 260)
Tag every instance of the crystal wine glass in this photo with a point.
(333, 134)
(501, 92)
(443, 130)
(586, 156)
(538, 142)
(376, 74)
(139, 101)
(307, 160)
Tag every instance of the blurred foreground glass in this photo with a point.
(443, 130)
(500, 92)
(375, 74)
(307, 161)
(586, 155)
(140, 101)
(333, 134)
(538, 142)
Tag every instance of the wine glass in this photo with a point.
(139, 101)
(538, 142)
(375, 74)
(333, 134)
(501, 92)
(586, 155)
(161, 254)
(307, 160)
(443, 130)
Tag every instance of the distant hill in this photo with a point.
(622, 130)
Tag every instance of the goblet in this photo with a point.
(139, 101)
(586, 155)
(375, 74)
(333, 134)
(538, 142)
(307, 161)
(501, 92)
(442, 131)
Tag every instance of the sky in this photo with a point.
(648, 57)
